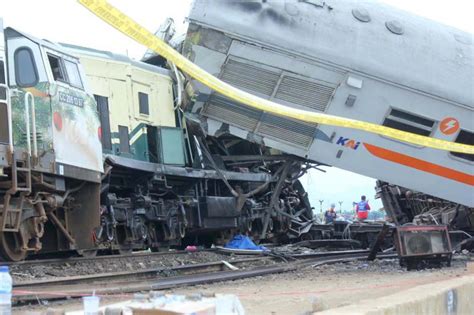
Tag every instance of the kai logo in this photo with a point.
(349, 143)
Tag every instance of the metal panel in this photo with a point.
(124, 139)
(249, 77)
(103, 109)
(218, 207)
(312, 94)
(270, 83)
(3, 123)
(172, 146)
(223, 109)
(289, 130)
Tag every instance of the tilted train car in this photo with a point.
(111, 165)
(361, 60)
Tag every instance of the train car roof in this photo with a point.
(115, 57)
(364, 36)
(12, 33)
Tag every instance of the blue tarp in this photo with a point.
(243, 242)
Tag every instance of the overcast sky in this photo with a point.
(67, 21)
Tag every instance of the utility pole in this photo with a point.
(340, 206)
(321, 206)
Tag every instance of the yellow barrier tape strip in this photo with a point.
(126, 25)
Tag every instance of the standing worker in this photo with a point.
(362, 209)
(330, 214)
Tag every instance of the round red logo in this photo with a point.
(449, 125)
(58, 121)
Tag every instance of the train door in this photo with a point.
(30, 100)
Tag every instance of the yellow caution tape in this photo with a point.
(126, 25)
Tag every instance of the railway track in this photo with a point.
(143, 254)
(167, 278)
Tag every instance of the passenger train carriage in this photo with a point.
(361, 60)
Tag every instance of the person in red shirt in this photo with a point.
(362, 208)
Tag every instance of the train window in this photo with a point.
(409, 122)
(465, 137)
(25, 68)
(124, 139)
(57, 68)
(143, 103)
(73, 74)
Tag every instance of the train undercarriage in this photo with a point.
(146, 205)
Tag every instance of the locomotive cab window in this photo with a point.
(144, 107)
(57, 68)
(73, 74)
(409, 122)
(465, 137)
(25, 67)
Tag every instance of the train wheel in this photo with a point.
(11, 246)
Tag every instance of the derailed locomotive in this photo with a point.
(107, 161)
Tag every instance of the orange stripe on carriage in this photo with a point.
(420, 164)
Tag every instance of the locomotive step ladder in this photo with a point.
(12, 209)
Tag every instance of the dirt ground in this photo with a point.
(328, 286)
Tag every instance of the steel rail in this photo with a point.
(32, 293)
(135, 275)
(40, 261)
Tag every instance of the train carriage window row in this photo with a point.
(409, 122)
